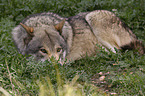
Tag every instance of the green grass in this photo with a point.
(124, 72)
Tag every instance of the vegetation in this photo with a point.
(105, 74)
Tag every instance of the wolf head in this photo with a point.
(45, 41)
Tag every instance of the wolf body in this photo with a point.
(47, 34)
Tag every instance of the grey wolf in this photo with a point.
(44, 35)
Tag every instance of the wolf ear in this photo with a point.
(59, 26)
(30, 33)
(28, 29)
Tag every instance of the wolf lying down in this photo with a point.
(47, 34)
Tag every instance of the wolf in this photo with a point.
(47, 34)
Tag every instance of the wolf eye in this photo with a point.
(59, 49)
(43, 50)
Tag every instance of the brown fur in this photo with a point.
(135, 45)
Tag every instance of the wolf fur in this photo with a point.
(47, 34)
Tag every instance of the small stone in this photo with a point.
(102, 78)
(100, 73)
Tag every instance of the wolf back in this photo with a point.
(77, 36)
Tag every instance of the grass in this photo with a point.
(123, 73)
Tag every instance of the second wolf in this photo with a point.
(47, 34)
